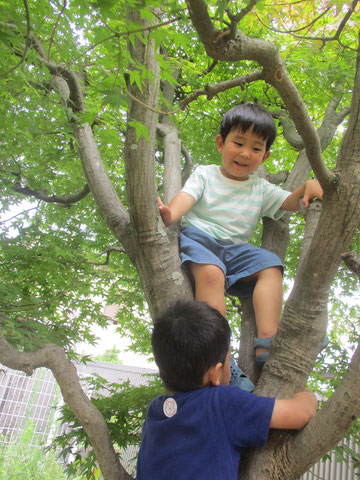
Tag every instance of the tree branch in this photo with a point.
(54, 29)
(66, 200)
(76, 100)
(185, 174)
(202, 22)
(352, 261)
(108, 252)
(235, 19)
(111, 208)
(341, 27)
(53, 357)
(331, 121)
(343, 407)
(212, 90)
(291, 32)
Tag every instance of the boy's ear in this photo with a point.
(219, 142)
(215, 374)
(266, 156)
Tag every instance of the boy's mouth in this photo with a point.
(241, 164)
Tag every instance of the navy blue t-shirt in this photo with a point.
(202, 434)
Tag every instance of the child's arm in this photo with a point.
(179, 205)
(309, 190)
(294, 413)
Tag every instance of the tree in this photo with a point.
(95, 95)
(111, 355)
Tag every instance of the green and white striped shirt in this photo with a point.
(229, 210)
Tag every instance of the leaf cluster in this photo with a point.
(124, 409)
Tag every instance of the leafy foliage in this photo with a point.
(32, 463)
(56, 269)
(124, 409)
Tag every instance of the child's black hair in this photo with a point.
(249, 116)
(188, 339)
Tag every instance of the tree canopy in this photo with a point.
(105, 105)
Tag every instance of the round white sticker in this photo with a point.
(170, 407)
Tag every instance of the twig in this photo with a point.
(27, 45)
(54, 29)
(352, 261)
(20, 213)
(290, 32)
(129, 32)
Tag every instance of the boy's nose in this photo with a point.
(245, 153)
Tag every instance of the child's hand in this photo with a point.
(312, 189)
(295, 412)
(165, 213)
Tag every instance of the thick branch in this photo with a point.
(201, 20)
(42, 195)
(187, 166)
(54, 358)
(76, 97)
(172, 154)
(352, 261)
(343, 407)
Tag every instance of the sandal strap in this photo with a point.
(261, 359)
(263, 342)
(266, 342)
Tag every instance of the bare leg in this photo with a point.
(267, 301)
(209, 288)
(209, 285)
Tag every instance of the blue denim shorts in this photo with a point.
(237, 261)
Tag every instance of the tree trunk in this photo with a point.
(155, 259)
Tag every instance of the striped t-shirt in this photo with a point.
(227, 209)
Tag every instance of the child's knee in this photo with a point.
(271, 273)
(211, 275)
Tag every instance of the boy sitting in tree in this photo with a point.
(200, 429)
(220, 207)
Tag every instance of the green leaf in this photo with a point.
(141, 130)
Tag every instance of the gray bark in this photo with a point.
(158, 267)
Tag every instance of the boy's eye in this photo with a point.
(238, 144)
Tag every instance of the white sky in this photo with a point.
(108, 338)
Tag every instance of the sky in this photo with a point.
(108, 338)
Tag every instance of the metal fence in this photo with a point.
(24, 399)
(38, 399)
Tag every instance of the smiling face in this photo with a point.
(242, 153)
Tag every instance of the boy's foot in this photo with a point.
(262, 343)
(238, 378)
(266, 343)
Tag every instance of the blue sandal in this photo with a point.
(238, 378)
(263, 343)
(266, 343)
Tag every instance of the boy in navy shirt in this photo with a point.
(200, 429)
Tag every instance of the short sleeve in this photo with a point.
(273, 198)
(195, 184)
(246, 417)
